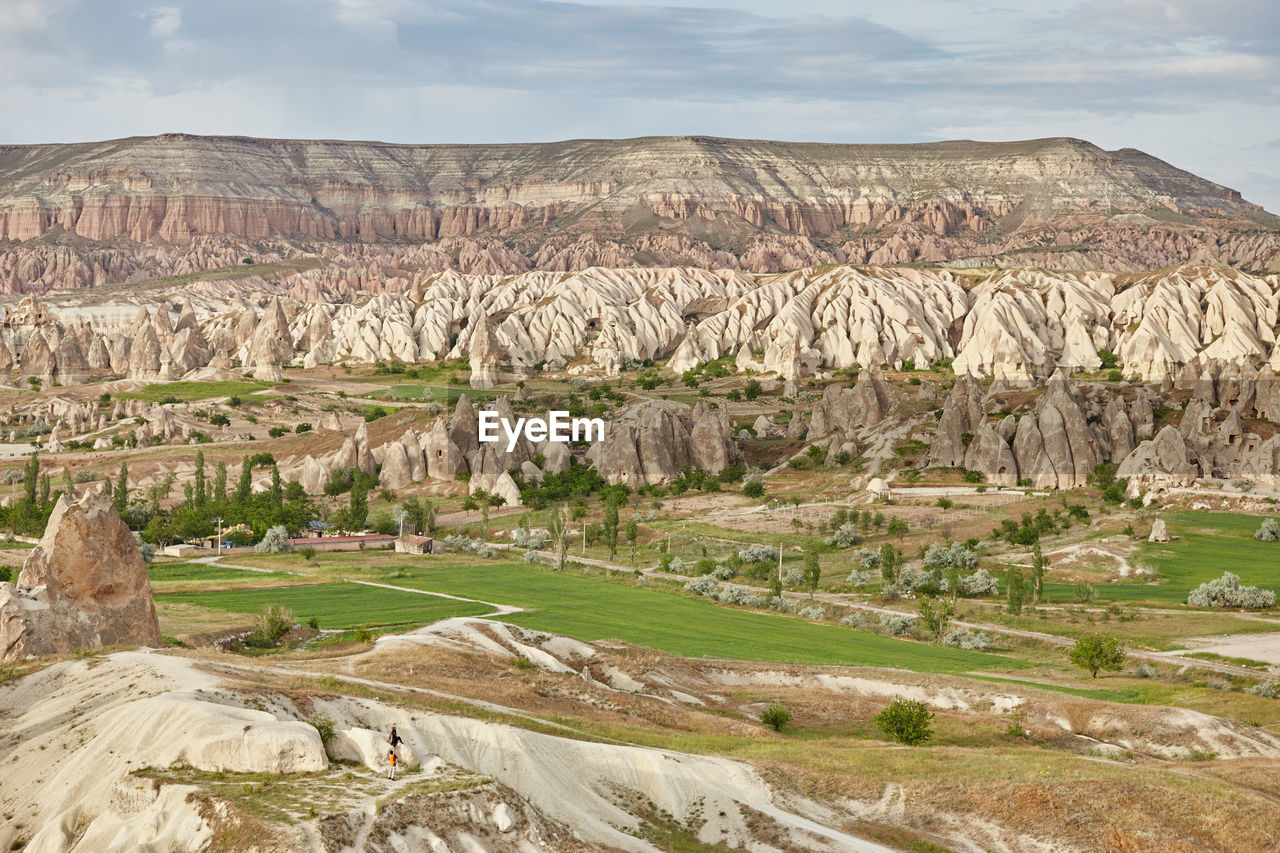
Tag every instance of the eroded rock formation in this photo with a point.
(83, 587)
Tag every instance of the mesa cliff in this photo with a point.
(98, 213)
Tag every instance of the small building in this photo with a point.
(409, 544)
(359, 542)
(179, 550)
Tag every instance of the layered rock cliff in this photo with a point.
(714, 203)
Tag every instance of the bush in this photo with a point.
(758, 554)
(814, 612)
(275, 541)
(846, 536)
(955, 556)
(860, 579)
(782, 604)
(1265, 689)
(753, 489)
(906, 721)
(978, 584)
(854, 620)
(740, 595)
(307, 553)
(458, 542)
(963, 638)
(1145, 670)
(776, 717)
(323, 725)
(273, 622)
(703, 585)
(896, 626)
(1268, 531)
(1226, 591)
(722, 573)
(1097, 652)
(531, 539)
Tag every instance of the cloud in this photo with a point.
(1197, 84)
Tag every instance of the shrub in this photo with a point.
(978, 584)
(854, 620)
(1145, 670)
(896, 626)
(1226, 591)
(722, 573)
(533, 558)
(775, 717)
(954, 556)
(273, 622)
(323, 725)
(753, 489)
(814, 612)
(758, 554)
(1268, 531)
(846, 536)
(782, 605)
(531, 539)
(860, 579)
(703, 585)
(1265, 689)
(1097, 652)
(458, 542)
(963, 638)
(314, 623)
(274, 541)
(906, 721)
(740, 595)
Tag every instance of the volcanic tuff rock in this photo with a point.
(83, 587)
(715, 203)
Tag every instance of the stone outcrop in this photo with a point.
(653, 442)
(863, 405)
(83, 587)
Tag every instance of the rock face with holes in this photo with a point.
(83, 587)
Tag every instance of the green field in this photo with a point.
(591, 608)
(440, 393)
(1208, 544)
(167, 572)
(188, 391)
(336, 605)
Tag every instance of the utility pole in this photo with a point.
(219, 520)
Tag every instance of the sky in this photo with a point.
(1194, 82)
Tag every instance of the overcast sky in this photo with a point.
(1195, 82)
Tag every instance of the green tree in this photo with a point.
(121, 494)
(898, 527)
(611, 528)
(46, 488)
(1016, 592)
(776, 717)
(906, 721)
(812, 570)
(633, 535)
(753, 489)
(358, 508)
(1097, 652)
(31, 479)
(68, 484)
(560, 533)
(752, 390)
(201, 493)
(889, 560)
(1038, 565)
(220, 483)
(277, 491)
(936, 614)
(245, 487)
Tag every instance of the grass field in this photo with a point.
(336, 605)
(187, 391)
(441, 393)
(1210, 543)
(592, 608)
